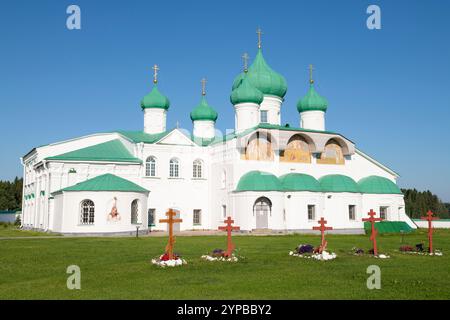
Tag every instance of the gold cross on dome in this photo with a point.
(155, 73)
(245, 57)
(259, 32)
(311, 68)
(203, 81)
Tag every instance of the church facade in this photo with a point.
(264, 175)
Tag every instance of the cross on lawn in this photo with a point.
(322, 229)
(373, 235)
(430, 219)
(228, 228)
(170, 221)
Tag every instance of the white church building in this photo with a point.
(264, 175)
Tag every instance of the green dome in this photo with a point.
(312, 102)
(245, 92)
(338, 183)
(155, 100)
(259, 181)
(263, 78)
(203, 111)
(299, 182)
(378, 185)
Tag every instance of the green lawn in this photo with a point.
(119, 268)
(11, 231)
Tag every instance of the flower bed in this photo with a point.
(360, 252)
(219, 255)
(307, 251)
(164, 261)
(419, 250)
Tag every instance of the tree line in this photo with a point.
(11, 194)
(417, 203)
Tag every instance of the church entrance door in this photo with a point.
(261, 210)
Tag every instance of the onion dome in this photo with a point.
(155, 100)
(203, 111)
(263, 78)
(312, 101)
(246, 93)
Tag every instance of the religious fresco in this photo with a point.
(332, 154)
(297, 150)
(259, 148)
(114, 214)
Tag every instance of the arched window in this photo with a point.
(135, 211)
(297, 150)
(150, 167)
(174, 169)
(332, 154)
(259, 148)
(197, 169)
(87, 212)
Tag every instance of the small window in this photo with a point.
(264, 116)
(197, 217)
(135, 212)
(311, 212)
(87, 212)
(224, 211)
(150, 167)
(197, 169)
(384, 212)
(352, 212)
(174, 171)
(151, 217)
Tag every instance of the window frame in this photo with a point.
(197, 169)
(174, 167)
(352, 212)
(313, 206)
(87, 212)
(197, 216)
(150, 166)
(266, 116)
(135, 204)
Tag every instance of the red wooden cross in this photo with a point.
(430, 218)
(228, 228)
(373, 234)
(170, 221)
(322, 229)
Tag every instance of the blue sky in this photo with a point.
(388, 89)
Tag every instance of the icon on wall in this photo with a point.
(114, 214)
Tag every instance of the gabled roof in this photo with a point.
(105, 182)
(113, 151)
(141, 136)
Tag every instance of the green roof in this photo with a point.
(388, 227)
(338, 183)
(263, 78)
(155, 100)
(312, 101)
(246, 93)
(141, 136)
(378, 185)
(299, 182)
(259, 181)
(113, 151)
(203, 111)
(105, 182)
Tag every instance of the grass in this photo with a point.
(11, 231)
(119, 268)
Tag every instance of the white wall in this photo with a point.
(68, 214)
(155, 120)
(438, 224)
(312, 120)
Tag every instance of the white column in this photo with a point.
(247, 116)
(312, 120)
(155, 120)
(204, 129)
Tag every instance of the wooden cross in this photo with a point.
(170, 221)
(373, 234)
(322, 229)
(203, 81)
(228, 228)
(259, 33)
(430, 219)
(245, 57)
(311, 68)
(155, 73)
